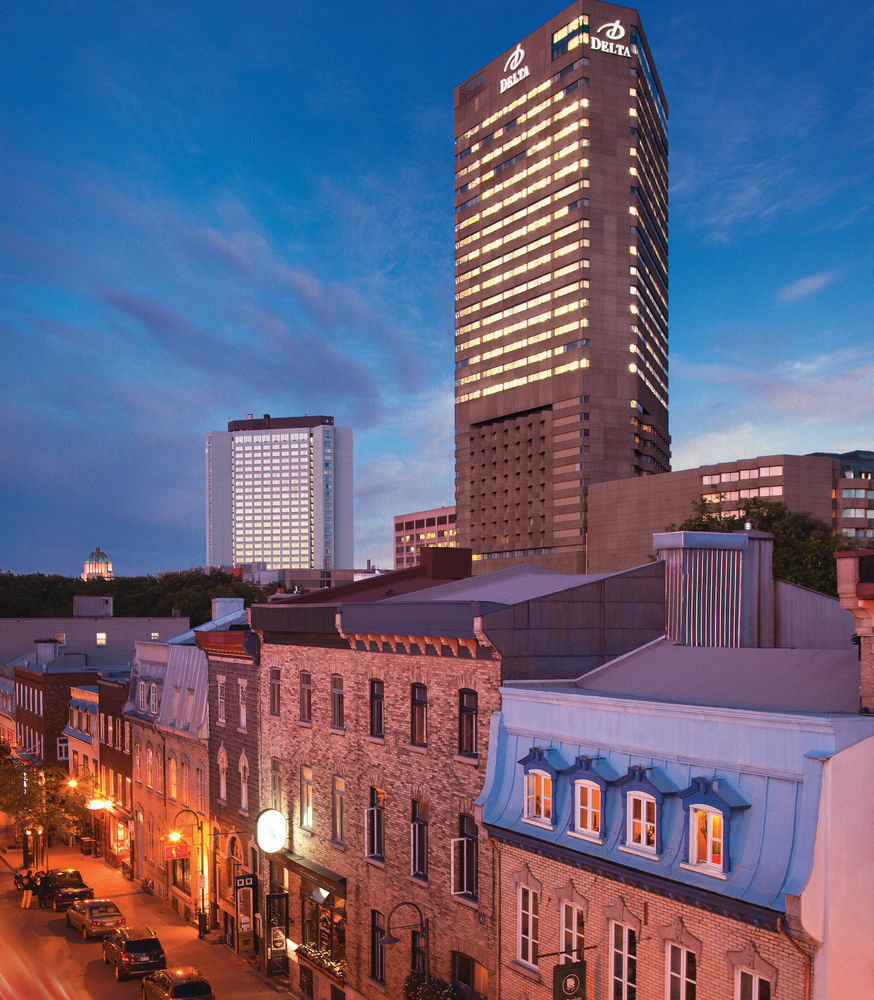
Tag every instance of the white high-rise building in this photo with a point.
(279, 493)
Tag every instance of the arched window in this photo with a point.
(244, 784)
(223, 774)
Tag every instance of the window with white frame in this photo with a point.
(127, 737)
(138, 774)
(153, 699)
(587, 809)
(141, 696)
(538, 796)
(464, 858)
(377, 949)
(749, 985)
(117, 734)
(220, 700)
(641, 822)
(572, 927)
(374, 825)
(109, 721)
(200, 780)
(418, 839)
(150, 766)
(184, 783)
(623, 962)
(306, 797)
(705, 837)
(528, 926)
(101, 723)
(171, 779)
(681, 973)
(242, 687)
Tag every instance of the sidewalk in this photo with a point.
(229, 973)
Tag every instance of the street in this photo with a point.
(43, 959)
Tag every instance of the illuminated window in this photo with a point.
(538, 796)
(101, 639)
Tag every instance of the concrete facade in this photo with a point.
(280, 492)
(422, 528)
(624, 515)
(561, 283)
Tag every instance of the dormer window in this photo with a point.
(587, 809)
(645, 789)
(711, 805)
(589, 777)
(538, 797)
(641, 821)
(541, 768)
(705, 833)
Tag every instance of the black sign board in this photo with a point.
(277, 932)
(569, 981)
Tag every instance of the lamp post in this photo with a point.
(388, 940)
(176, 836)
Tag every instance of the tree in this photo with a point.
(804, 547)
(41, 798)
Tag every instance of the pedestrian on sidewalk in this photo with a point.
(41, 888)
(27, 889)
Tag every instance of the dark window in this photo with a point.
(470, 979)
(377, 951)
(419, 714)
(417, 953)
(274, 691)
(419, 840)
(377, 708)
(306, 696)
(337, 713)
(374, 846)
(467, 719)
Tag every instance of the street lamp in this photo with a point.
(388, 940)
(176, 836)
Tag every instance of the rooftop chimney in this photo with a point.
(856, 593)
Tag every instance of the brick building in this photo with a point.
(233, 755)
(667, 818)
(116, 778)
(377, 703)
(421, 529)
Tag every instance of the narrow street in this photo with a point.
(43, 959)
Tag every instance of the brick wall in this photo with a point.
(446, 784)
(719, 940)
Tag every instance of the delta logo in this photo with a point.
(613, 33)
(513, 66)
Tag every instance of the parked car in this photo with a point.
(95, 917)
(186, 983)
(133, 951)
(65, 886)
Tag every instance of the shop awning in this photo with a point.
(303, 866)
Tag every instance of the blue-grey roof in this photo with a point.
(767, 768)
(234, 619)
(771, 680)
(503, 587)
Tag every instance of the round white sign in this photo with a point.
(271, 831)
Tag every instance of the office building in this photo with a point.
(561, 283)
(421, 528)
(279, 493)
(623, 515)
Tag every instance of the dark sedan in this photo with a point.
(133, 951)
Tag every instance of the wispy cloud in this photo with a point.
(821, 402)
(803, 288)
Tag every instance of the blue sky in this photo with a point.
(212, 210)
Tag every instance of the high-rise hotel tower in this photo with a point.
(279, 494)
(561, 279)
